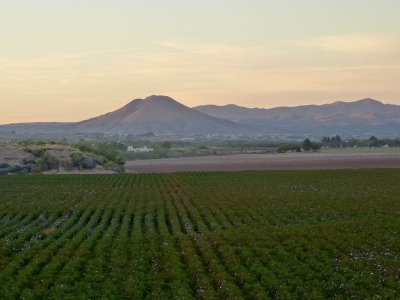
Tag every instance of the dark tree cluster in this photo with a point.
(309, 145)
(332, 142)
(373, 141)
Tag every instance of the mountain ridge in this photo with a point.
(163, 115)
(156, 114)
(361, 101)
(354, 118)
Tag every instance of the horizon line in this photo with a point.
(193, 107)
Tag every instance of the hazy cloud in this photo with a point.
(374, 44)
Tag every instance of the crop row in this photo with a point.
(247, 235)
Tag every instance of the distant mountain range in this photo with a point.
(165, 116)
(362, 117)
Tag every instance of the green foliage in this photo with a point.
(46, 163)
(27, 143)
(192, 148)
(166, 145)
(307, 145)
(114, 166)
(76, 154)
(315, 146)
(252, 235)
(289, 147)
(35, 151)
(332, 142)
(373, 141)
(109, 151)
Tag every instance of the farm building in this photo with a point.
(144, 149)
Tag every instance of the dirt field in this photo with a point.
(333, 159)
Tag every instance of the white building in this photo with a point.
(140, 149)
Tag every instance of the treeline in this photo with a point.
(337, 142)
(373, 141)
(306, 146)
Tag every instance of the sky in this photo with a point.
(70, 60)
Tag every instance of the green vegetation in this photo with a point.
(254, 235)
(83, 156)
(289, 148)
(306, 146)
(112, 154)
(108, 153)
(337, 142)
(373, 141)
(37, 151)
(45, 163)
(192, 148)
(333, 142)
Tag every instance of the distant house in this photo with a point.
(144, 149)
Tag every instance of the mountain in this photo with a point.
(159, 114)
(163, 115)
(156, 114)
(362, 117)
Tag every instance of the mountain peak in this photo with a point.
(369, 101)
(232, 106)
(162, 101)
(159, 98)
(366, 101)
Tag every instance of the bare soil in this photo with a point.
(48, 231)
(13, 155)
(338, 159)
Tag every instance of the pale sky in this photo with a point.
(69, 60)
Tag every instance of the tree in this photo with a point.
(335, 141)
(326, 139)
(166, 144)
(373, 141)
(315, 146)
(307, 145)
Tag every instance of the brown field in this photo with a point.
(328, 159)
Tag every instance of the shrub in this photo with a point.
(289, 147)
(46, 163)
(35, 151)
(76, 154)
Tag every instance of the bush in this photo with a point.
(46, 163)
(289, 147)
(114, 167)
(35, 151)
(38, 152)
(107, 150)
(76, 154)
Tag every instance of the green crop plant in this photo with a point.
(242, 235)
